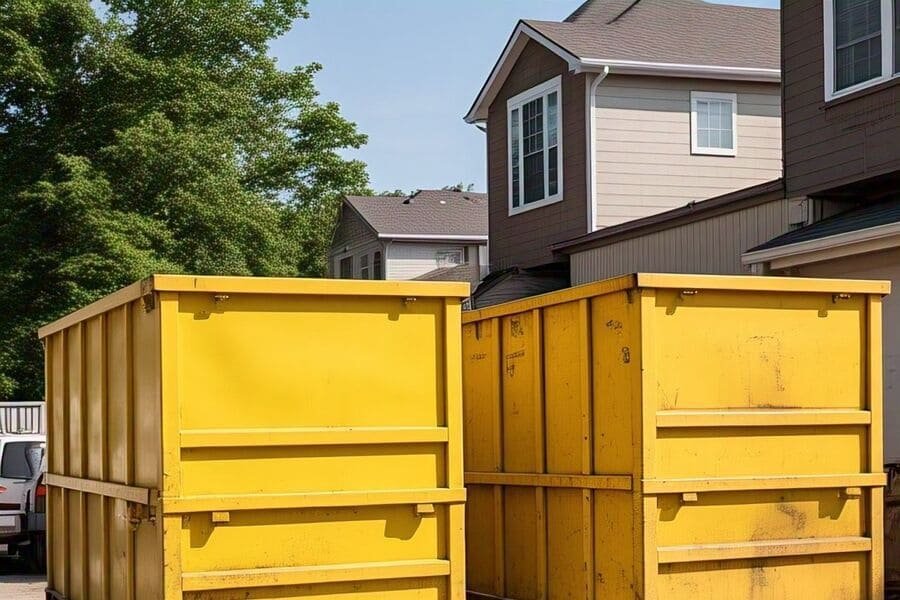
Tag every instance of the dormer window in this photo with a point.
(862, 44)
(535, 153)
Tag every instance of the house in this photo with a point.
(432, 234)
(842, 152)
(624, 110)
(835, 212)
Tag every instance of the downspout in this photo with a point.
(591, 148)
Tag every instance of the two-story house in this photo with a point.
(842, 151)
(430, 235)
(623, 110)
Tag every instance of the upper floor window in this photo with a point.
(535, 147)
(862, 44)
(713, 123)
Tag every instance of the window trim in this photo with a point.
(696, 149)
(516, 102)
(888, 69)
(364, 266)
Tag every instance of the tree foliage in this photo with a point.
(154, 136)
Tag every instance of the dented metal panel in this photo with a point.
(667, 437)
(254, 438)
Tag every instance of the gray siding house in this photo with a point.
(431, 235)
(624, 110)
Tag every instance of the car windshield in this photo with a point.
(21, 460)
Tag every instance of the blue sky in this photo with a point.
(407, 70)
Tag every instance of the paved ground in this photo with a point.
(16, 585)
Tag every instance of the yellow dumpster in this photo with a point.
(673, 437)
(222, 438)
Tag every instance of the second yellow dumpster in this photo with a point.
(676, 437)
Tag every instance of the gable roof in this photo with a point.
(686, 38)
(427, 214)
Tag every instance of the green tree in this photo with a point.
(154, 136)
(459, 187)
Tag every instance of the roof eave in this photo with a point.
(514, 45)
(479, 109)
(869, 239)
(433, 237)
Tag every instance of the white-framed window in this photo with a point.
(862, 44)
(535, 146)
(364, 266)
(714, 123)
(449, 258)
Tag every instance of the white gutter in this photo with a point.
(635, 67)
(431, 236)
(826, 248)
(592, 150)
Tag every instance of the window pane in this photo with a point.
(857, 34)
(856, 19)
(715, 124)
(15, 463)
(703, 138)
(553, 170)
(552, 120)
(702, 115)
(347, 268)
(533, 127)
(376, 265)
(514, 134)
(534, 177)
(533, 149)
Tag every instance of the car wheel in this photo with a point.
(37, 553)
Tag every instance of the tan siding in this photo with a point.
(712, 245)
(876, 265)
(643, 145)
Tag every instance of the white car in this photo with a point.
(22, 495)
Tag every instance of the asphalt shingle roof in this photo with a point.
(864, 217)
(427, 212)
(685, 32)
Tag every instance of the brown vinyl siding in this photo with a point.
(827, 145)
(524, 239)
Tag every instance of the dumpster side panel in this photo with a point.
(314, 446)
(102, 371)
(680, 437)
(553, 509)
(762, 475)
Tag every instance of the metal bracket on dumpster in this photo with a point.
(423, 510)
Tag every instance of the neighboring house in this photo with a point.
(836, 213)
(842, 150)
(432, 234)
(624, 110)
